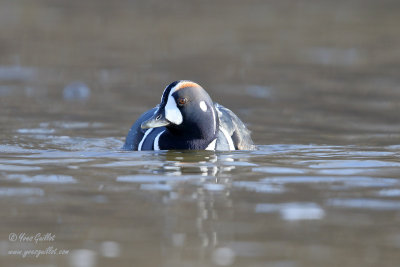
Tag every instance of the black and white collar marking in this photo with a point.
(144, 138)
(156, 144)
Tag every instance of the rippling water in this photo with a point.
(281, 205)
(316, 82)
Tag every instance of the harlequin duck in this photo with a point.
(186, 119)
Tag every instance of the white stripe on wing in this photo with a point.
(228, 138)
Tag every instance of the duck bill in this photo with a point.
(157, 120)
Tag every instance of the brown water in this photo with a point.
(317, 82)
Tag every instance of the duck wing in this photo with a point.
(235, 128)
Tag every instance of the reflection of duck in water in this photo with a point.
(187, 118)
(207, 164)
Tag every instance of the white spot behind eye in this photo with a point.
(203, 106)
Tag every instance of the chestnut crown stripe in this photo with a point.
(175, 86)
(185, 84)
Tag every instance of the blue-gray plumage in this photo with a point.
(186, 119)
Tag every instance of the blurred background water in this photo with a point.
(317, 82)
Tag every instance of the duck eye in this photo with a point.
(182, 101)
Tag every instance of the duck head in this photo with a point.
(185, 108)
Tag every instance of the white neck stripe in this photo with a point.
(143, 138)
(156, 141)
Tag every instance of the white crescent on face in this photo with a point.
(172, 112)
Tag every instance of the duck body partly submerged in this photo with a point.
(187, 119)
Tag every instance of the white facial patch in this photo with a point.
(203, 106)
(172, 112)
